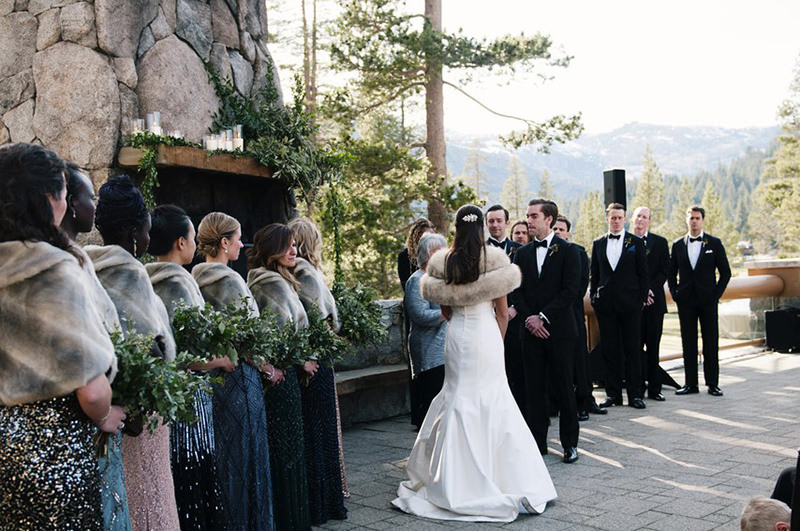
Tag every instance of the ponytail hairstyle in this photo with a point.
(28, 175)
(169, 223)
(213, 227)
(462, 265)
(269, 244)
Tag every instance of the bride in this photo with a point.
(474, 458)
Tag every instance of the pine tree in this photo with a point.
(717, 221)
(775, 217)
(545, 186)
(676, 226)
(475, 172)
(515, 194)
(650, 189)
(591, 221)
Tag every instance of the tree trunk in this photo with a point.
(434, 123)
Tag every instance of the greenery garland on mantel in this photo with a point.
(278, 137)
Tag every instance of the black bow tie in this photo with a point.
(698, 239)
(496, 243)
(614, 236)
(537, 243)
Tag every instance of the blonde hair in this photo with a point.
(308, 240)
(761, 514)
(212, 229)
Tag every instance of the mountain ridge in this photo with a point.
(577, 167)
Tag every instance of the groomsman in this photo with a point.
(544, 302)
(497, 223)
(696, 259)
(657, 250)
(583, 381)
(618, 290)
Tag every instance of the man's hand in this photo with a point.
(650, 299)
(536, 326)
(512, 312)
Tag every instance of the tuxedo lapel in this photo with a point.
(604, 252)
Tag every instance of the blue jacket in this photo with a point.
(426, 329)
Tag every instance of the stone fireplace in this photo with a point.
(73, 74)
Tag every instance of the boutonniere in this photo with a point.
(705, 241)
(628, 240)
(553, 250)
(646, 251)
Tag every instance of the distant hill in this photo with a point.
(578, 166)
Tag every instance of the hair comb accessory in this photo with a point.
(470, 218)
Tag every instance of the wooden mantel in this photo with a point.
(198, 159)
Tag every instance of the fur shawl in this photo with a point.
(313, 290)
(221, 286)
(126, 281)
(274, 293)
(53, 337)
(499, 277)
(172, 283)
(105, 305)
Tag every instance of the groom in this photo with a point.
(550, 284)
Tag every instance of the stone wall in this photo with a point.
(73, 74)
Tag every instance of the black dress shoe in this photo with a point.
(713, 390)
(570, 454)
(658, 397)
(638, 403)
(608, 402)
(584, 415)
(687, 390)
(594, 409)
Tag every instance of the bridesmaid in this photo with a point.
(124, 224)
(80, 219)
(194, 470)
(55, 352)
(324, 463)
(240, 423)
(275, 289)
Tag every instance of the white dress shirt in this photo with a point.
(614, 249)
(693, 248)
(541, 252)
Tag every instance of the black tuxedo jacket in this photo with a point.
(623, 289)
(508, 245)
(578, 308)
(699, 285)
(657, 267)
(552, 293)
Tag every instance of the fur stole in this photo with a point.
(126, 281)
(313, 290)
(274, 293)
(172, 283)
(53, 337)
(221, 286)
(499, 277)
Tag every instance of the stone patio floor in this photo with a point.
(686, 464)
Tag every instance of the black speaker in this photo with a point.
(614, 187)
(782, 328)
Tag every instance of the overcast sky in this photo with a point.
(679, 62)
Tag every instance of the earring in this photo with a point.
(74, 215)
(226, 251)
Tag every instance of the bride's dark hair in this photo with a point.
(464, 259)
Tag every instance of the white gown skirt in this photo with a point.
(474, 458)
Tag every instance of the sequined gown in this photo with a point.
(325, 496)
(194, 468)
(48, 467)
(240, 422)
(287, 458)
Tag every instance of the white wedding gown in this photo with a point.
(474, 458)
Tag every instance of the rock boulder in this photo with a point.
(77, 104)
